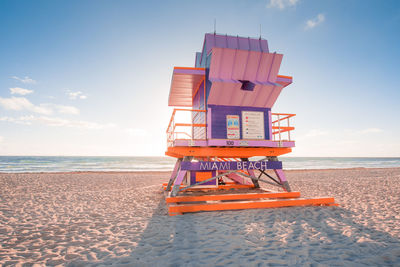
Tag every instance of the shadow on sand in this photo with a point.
(265, 237)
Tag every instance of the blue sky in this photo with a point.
(92, 77)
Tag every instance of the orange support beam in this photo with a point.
(228, 152)
(179, 209)
(232, 197)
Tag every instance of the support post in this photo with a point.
(174, 174)
(179, 178)
(251, 172)
(281, 176)
(282, 179)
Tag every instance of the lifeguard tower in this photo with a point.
(229, 95)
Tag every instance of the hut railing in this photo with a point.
(185, 130)
(281, 126)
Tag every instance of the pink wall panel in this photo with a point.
(229, 94)
(227, 64)
(215, 64)
(264, 68)
(232, 64)
(252, 66)
(274, 95)
(275, 67)
(229, 89)
(240, 64)
(213, 97)
(248, 97)
(237, 97)
(265, 92)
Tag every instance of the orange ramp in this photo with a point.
(239, 205)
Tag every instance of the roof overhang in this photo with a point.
(185, 82)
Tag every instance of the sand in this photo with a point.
(100, 219)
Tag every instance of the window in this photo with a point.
(247, 85)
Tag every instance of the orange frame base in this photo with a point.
(208, 202)
(240, 205)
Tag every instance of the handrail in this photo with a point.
(182, 109)
(280, 125)
(282, 114)
(281, 117)
(172, 135)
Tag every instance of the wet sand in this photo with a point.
(120, 219)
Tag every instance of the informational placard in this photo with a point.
(253, 125)
(232, 127)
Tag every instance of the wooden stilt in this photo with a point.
(178, 181)
(174, 174)
(251, 172)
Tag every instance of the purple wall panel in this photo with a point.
(218, 120)
(234, 42)
(193, 178)
(270, 119)
(209, 124)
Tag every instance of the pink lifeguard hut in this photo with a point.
(229, 95)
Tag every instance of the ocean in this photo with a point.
(14, 164)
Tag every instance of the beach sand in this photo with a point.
(121, 219)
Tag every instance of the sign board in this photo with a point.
(232, 127)
(253, 125)
(230, 165)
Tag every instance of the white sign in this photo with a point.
(253, 125)
(232, 127)
(243, 143)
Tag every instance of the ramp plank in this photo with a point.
(178, 209)
(232, 197)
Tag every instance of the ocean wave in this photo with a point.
(15, 164)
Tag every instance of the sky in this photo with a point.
(93, 77)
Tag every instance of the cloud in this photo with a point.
(21, 103)
(57, 122)
(136, 132)
(67, 109)
(1, 139)
(53, 121)
(26, 80)
(371, 130)
(312, 23)
(76, 95)
(20, 91)
(281, 4)
(25, 120)
(62, 109)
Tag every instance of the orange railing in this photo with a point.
(186, 130)
(195, 126)
(281, 125)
